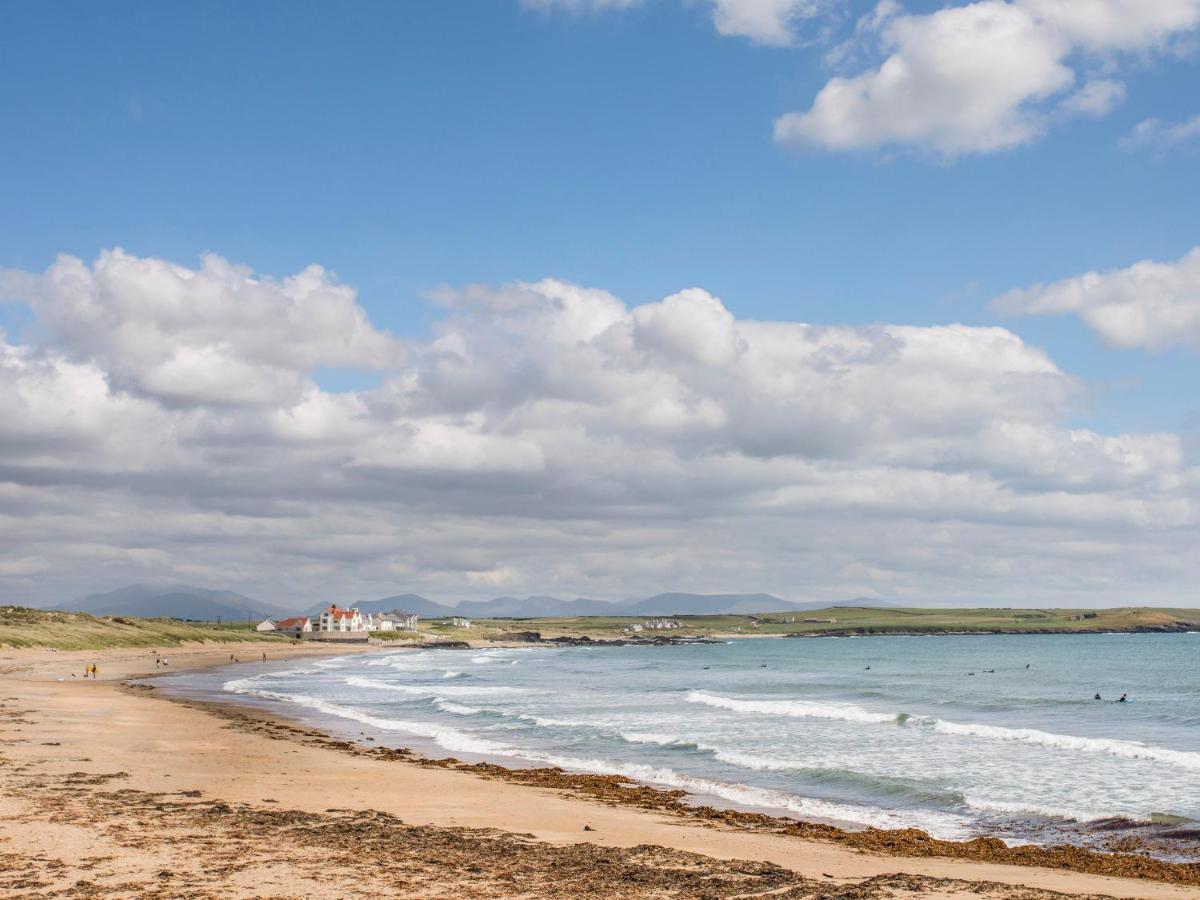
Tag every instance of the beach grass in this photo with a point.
(23, 627)
(865, 621)
(396, 635)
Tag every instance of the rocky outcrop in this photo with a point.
(523, 637)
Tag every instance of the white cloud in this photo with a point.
(212, 335)
(983, 76)
(1161, 137)
(549, 437)
(770, 22)
(1095, 98)
(1150, 305)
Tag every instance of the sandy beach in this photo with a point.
(109, 790)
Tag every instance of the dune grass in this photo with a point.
(868, 620)
(23, 627)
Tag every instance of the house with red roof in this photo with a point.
(296, 626)
(337, 619)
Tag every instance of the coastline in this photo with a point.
(139, 744)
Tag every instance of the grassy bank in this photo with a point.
(861, 620)
(21, 627)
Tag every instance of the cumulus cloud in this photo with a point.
(1150, 305)
(769, 22)
(981, 77)
(549, 437)
(1096, 98)
(1161, 137)
(216, 335)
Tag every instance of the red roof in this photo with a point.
(292, 622)
(342, 613)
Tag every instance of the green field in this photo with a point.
(857, 620)
(21, 627)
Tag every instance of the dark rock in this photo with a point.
(527, 637)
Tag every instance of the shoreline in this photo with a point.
(1105, 837)
(621, 790)
(551, 805)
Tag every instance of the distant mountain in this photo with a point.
(176, 601)
(708, 604)
(505, 607)
(546, 607)
(413, 603)
(179, 601)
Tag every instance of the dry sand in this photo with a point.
(112, 791)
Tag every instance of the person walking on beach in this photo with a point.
(264, 656)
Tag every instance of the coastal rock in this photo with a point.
(524, 637)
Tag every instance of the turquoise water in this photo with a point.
(803, 727)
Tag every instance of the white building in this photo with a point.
(337, 619)
(397, 620)
(295, 627)
(460, 622)
(266, 625)
(660, 624)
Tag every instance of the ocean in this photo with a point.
(958, 735)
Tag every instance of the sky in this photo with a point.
(602, 298)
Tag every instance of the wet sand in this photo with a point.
(107, 790)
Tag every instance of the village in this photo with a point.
(341, 624)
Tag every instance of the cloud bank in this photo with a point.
(1149, 305)
(163, 420)
(984, 76)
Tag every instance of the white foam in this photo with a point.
(800, 709)
(432, 690)
(450, 673)
(732, 757)
(1110, 746)
(1024, 809)
(848, 712)
(944, 825)
(447, 738)
(459, 709)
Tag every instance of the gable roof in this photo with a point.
(293, 621)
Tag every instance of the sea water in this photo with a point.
(958, 735)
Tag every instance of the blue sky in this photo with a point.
(407, 146)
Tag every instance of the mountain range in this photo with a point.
(175, 601)
(189, 602)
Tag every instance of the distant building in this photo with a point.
(266, 625)
(396, 620)
(660, 624)
(336, 619)
(295, 627)
(460, 622)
